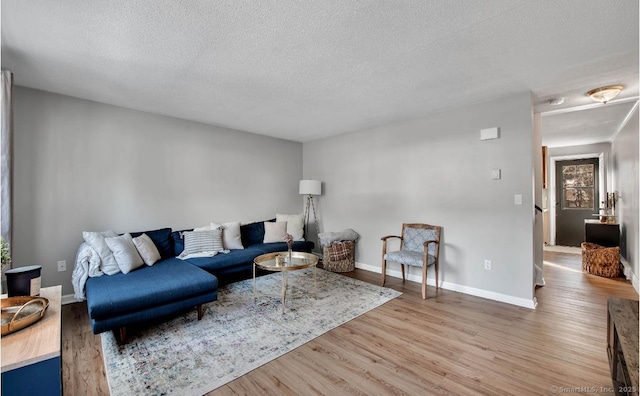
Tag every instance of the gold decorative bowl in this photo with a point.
(20, 312)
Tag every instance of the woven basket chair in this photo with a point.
(600, 260)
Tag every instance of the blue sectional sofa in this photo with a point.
(173, 285)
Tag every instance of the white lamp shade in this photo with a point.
(310, 187)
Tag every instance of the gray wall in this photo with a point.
(625, 152)
(436, 170)
(81, 165)
(538, 233)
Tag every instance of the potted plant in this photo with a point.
(4, 250)
(288, 238)
(5, 258)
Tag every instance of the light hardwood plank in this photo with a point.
(450, 343)
(82, 363)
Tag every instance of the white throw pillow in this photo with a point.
(202, 242)
(147, 249)
(208, 227)
(274, 232)
(231, 238)
(108, 263)
(295, 225)
(125, 252)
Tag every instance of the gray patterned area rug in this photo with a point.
(236, 335)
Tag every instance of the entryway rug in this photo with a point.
(185, 356)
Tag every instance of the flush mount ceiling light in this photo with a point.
(605, 94)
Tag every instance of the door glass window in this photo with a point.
(578, 189)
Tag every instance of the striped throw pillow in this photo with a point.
(203, 241)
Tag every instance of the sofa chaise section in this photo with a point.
(168, 287)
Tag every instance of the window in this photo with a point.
(578, 189)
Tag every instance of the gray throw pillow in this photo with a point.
(202, 241)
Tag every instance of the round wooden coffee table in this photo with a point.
(285, 262)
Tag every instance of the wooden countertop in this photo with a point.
(38, 342)
(597, 221)
(624, 314)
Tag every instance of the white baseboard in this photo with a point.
(68, 299)
(628, 273)
(521, 302)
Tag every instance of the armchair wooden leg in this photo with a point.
(436, 265)
(402, 265)
(384, 270)
(424, 282)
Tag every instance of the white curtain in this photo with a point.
(6, 154)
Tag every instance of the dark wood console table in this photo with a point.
(603, 234)
(622, 344)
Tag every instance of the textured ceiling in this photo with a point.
(303, 70)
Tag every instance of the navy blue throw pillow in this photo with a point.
(253, 233)
(178, 241)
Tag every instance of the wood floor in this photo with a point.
(450, 343)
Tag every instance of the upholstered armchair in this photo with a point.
(419, 247)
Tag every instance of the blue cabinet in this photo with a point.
(42, 378)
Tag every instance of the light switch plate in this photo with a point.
(495, 174)
(517, 199)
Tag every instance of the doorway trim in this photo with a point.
(551, 196)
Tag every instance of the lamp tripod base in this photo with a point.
(307, 213)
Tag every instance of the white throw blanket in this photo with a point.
(327, 238)
(87, 265)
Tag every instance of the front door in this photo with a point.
(576, 198)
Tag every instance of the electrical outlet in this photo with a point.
(62, 265)
(487, 265)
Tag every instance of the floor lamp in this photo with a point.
(310, 188)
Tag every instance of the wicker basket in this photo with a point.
(600, 260)
(339, 256)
